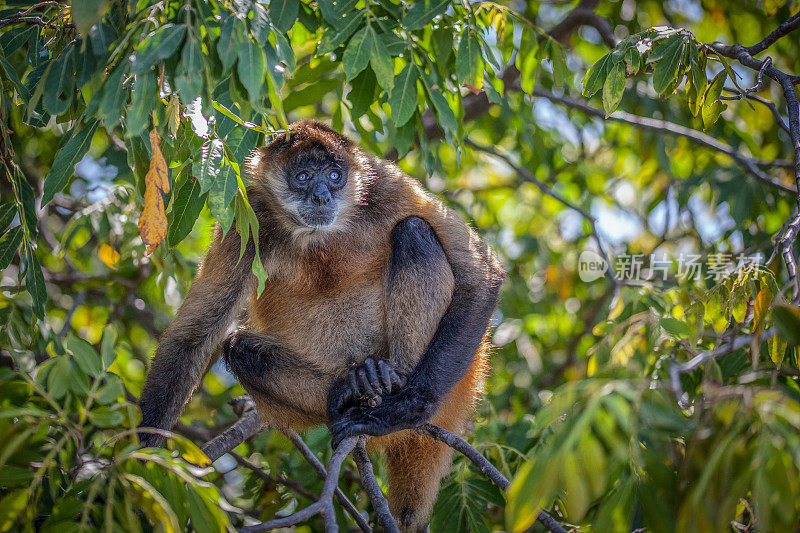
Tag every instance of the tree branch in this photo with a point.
(249, 424)
(781, 31)
(670, 128)
(476, 105)
(374, 491)
(676, 370)
(529, 177)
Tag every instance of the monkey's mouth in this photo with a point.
(318, 219)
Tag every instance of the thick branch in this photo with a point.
(248, 425)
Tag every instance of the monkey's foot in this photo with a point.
(372, 380)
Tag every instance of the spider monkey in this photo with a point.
(374, 318)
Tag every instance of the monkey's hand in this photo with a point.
(404, 410)
(366, 385)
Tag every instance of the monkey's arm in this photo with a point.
(185, 349)
(476, 279)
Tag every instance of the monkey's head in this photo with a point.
(313, 175)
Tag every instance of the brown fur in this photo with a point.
(329, 304)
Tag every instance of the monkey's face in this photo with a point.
(315, 183)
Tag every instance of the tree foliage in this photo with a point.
(644, 136)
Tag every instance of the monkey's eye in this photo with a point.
(335, 176)
(302, 177)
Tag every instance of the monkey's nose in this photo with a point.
(321, 197)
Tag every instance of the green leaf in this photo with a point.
(666, 70)
(252, 70)
(382, 63)
(469, 53)
(189, 80)
(334, 37)
(9, 244)
(613, 88)
(259, 26)
(632, 61)
(105, 417)
(65, 161)
(712, 112)
(675, 327)
(231, 40)
(777, 349)
(111, 391)
(362, 94)
(312, 93)
(86, 13)
(283, 13)
(222, 192)
(403, 100)
(34, 282)
(114, 97)
(207, 163)
(358, 51)
(107, 352)
(787, 320)
(596, 76)
(84, 355)
(60, 83)
(160, 44)
(561, 73)
(58, 378)
(186, 207)
(202, 518)
(145, 92)
(7, 213)
(422, 12)
(443, 111)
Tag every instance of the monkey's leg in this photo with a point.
(419, 287)
(288, 392)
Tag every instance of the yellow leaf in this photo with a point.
(777, 349)
(173, 115)
(153, 220)
(761, 306)
(108, 255)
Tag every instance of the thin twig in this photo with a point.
(676, 370)
(783, 30)
(324, 505)
(546, 189)
(282, 480)
(374, 491)
(670, 128)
